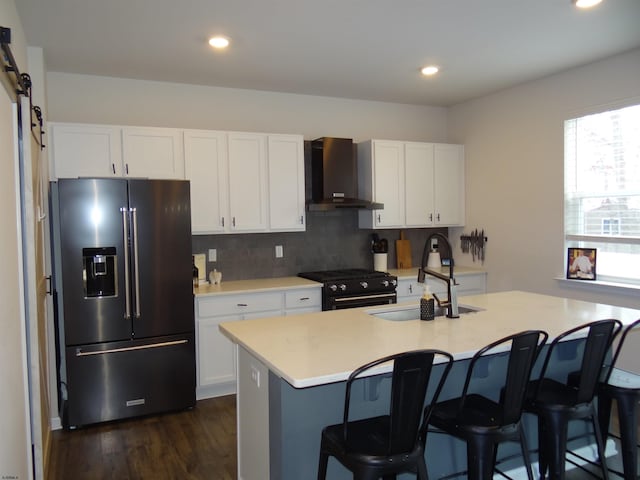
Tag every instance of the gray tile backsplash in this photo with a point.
(332, 240)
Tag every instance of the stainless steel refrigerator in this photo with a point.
(123, 277)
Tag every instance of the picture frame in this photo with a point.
(581, 263)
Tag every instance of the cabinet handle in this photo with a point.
(410, 288)
(379, 218)
(242, 305)
(301, 219)
(126, 168)
(431, 217)
(223, 221)
(438, 217)
(113, 168)
(302, 299)
(233, 221)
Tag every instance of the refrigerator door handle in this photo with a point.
(136, 270)
(127, 280)
(80, 353)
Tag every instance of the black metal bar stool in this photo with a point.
(390, 444)
(564, 392)
(484, 423)
(623, 387)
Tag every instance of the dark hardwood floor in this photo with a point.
(188, 445)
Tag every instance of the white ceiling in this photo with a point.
(361, 49)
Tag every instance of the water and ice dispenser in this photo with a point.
(99, 273)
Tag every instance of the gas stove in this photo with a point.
(354, 287)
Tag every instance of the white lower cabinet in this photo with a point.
(216, 364)
(468, 284)
(305, 300)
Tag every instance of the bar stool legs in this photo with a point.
(626, 401)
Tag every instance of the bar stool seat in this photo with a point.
(483, 422)
(568, 394)
(393, 443)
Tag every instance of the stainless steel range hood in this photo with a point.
(334, 176)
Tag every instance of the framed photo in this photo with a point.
(581, 263)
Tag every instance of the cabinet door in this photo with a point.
(153, 153)
(85, 151)
(408, 290)
(418, 161)
(247, 182)
(449, 184)
(205, 155)
(286, 183)
(388, 183)
(216, 359)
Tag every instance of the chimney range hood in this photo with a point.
(334, 176)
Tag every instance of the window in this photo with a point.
(602, 190)
(610, 226)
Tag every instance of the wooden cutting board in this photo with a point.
(403, 252)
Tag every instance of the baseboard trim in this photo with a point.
(218, 390)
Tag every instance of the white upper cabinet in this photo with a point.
(81, 150)
(418, 199)
(85, 151)
(247, 182)
(449, 208)
(420, 184)
(286, 183)
(205, 154)
(152, 153)
(381, 170)
(240, 182)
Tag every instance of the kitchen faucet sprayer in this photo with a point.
(452, 292)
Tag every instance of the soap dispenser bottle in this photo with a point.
(427, 304)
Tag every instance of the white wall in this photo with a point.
(514, 151)
(14, 420)
(93, 99)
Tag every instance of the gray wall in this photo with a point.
(514, 152)
(332, 240)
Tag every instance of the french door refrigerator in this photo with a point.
(123, 276)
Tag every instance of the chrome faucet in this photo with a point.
(451, 303)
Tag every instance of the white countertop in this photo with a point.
(254, 285)
(279, 283)
(324, 347)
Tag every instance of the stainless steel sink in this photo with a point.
(413, 313)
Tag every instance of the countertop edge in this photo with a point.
(312, 338)
(291, 283)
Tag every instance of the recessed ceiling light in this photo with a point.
(219, 42)
(430, 70)
(586, 3)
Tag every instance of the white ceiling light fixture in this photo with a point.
(219, 42)
(430, 70)
(586, 3)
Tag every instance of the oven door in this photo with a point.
(352, 301)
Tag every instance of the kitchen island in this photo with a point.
(291, 371)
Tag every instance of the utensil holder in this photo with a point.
(427, 309)
(380, 262)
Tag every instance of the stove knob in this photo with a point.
(385, 283)
(364, 284)
(333, 288)
(343, 287)
(394, 282)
